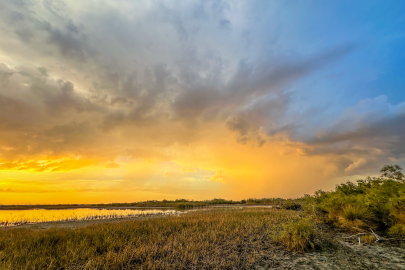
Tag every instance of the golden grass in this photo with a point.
(298, 235)
(207, 239)
(368, 239)
(353, 212)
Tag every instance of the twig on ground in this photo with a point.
(379, 238)
(355, 235)
(376, 236)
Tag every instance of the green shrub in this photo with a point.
(397, 212)
(298, 235)
(397, 230)
(373, 203)
(291, 205)
(353, 212)
(183, 206)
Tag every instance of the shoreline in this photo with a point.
(84, 222)
(46, 207)
(73, 224)
(62, 207)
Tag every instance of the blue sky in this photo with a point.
(176, 98)
(376, 30)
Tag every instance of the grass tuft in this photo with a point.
(298, 235)
(368, 239)
(353, 212)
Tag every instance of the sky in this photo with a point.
(122, 100)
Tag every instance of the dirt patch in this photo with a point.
(343, 255)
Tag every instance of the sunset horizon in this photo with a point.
(128, 101)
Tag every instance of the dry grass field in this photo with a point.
(218, 238)
(210, 239)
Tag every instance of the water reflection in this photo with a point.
(20, 217)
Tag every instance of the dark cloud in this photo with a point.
(43, 71)
(249, 83)
(5, 74)
(259, 79)
(39, 117)
(385, 134)
(72, 27)
(69, 45)
(117, 77)
(24, 34)
(15, 114)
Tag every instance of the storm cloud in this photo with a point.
(85, 83)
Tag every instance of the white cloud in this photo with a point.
(356, 164)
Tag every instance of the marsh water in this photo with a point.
(20, 217)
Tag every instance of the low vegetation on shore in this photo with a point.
(218, 238)
(373, 204)
(178, 204)
(214, 238)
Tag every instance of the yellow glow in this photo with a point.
(18, 217)
(213, 165)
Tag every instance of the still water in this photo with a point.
(19, 217)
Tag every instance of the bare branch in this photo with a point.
(355, 235)
(376, 236)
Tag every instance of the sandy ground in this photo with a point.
(379, 256)
(342, 255)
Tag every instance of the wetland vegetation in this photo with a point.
(35, 216)
(356, 226)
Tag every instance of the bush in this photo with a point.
(353, 212)
(291, 205)
(397, 212)
(298, 235)
(397, 230)
(373, 203)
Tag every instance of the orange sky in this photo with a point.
(211, 165)
(125, 101)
